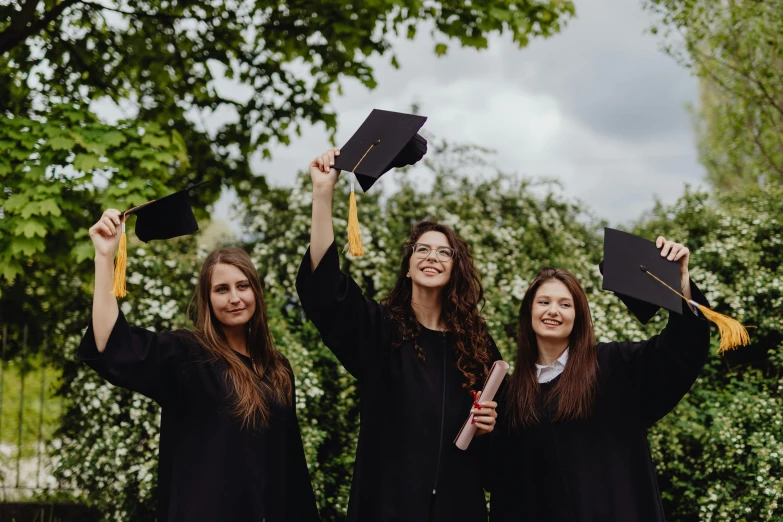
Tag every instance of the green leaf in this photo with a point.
(86, 162)
(114, 138)
(141, 153)
(155, 141)
(30, 228)
(440, 49)
(150, 165)
(19, 154)
(5, 166)
(16, 202)
(62, 142)
(26, 246)
(83, 251)
(48, 207)
(11, 269)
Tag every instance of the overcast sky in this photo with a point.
(598, 107)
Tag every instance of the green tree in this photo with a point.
(60, 166)
(163, 57)
(736, 50)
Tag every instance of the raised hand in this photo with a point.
(105, 234)
(680, 253)
(322, 171)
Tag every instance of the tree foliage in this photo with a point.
(162, 61)
(58, 174)
(163, 58)
(735, 47)
(720, 453)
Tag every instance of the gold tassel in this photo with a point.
(354, 236)
(120, 265)
(732, 333)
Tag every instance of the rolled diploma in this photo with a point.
(495, 377)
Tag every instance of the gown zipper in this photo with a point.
(442, 413)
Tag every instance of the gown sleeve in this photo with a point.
(665, 367)
(349, 323)
(139, 360)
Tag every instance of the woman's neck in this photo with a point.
(236, 337)
(426, 304)
(549, 350)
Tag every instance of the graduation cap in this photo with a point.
(385, 140)
(635, 271)
(165, 218)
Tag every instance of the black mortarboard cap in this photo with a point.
(634, 269)
(165, 218)
(385, 140)
(626, 257)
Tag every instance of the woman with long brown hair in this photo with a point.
(572, 445)
(230, 447)
(418, 355)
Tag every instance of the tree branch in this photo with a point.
(156, 16)
(763, 149)
(23, 26)
(742, 73)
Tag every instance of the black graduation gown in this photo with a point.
(600, 470)
(209, 467)
(405, 449)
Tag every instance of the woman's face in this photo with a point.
(553, 312)
(232, 297)
(431, 261)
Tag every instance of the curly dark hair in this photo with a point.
(462, 298)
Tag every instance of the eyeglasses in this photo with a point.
(442, 253)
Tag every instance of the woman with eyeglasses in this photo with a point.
(418, 356)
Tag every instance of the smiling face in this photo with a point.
(552, 311)
(232, 298)
(431, 271)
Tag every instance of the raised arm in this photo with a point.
(665, 367)
(105, 235)
(324, 178)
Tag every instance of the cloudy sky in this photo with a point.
(598, 107)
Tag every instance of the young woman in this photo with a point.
(417, 357)
(573, 441)
(230, 447)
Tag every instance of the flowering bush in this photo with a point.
(720, 453)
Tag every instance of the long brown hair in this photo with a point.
(461, 298)
(269, 381)
(574, 394)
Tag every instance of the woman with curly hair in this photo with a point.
(418, 356)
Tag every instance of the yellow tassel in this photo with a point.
(354, 236)
(119, 266)
(732, 333)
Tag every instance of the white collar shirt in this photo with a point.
(548, 373)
